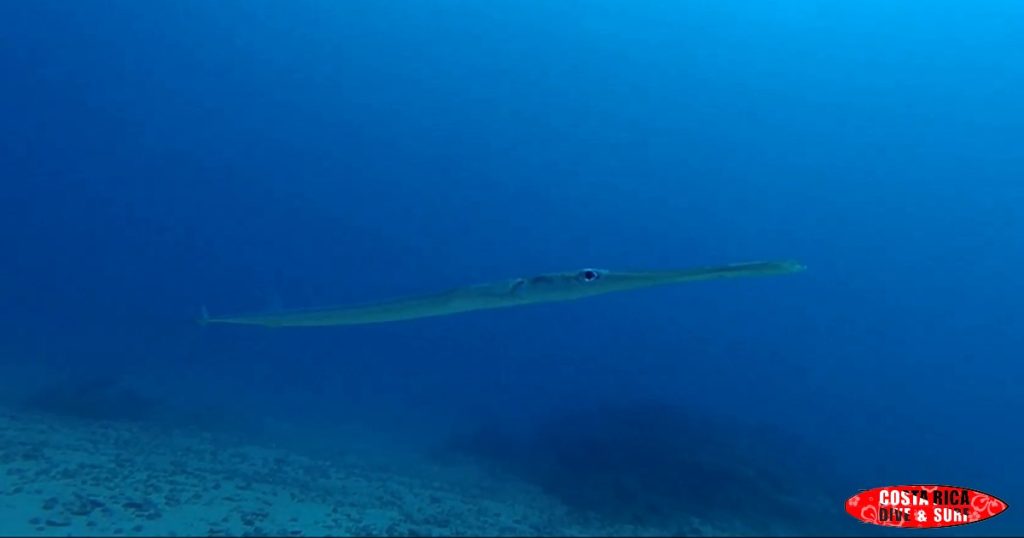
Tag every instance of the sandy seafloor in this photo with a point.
(61, 476)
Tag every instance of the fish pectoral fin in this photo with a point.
(517, 286)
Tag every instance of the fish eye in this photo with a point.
(589, 275)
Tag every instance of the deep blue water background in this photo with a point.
(158, 156)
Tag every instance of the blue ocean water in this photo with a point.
(253, 155)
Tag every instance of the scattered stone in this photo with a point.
(81, 505)
(145, 509)
(59, 521)
(111, 489)
(252, 518)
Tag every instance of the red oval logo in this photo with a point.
(923, 506)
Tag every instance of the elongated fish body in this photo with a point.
(545, 288)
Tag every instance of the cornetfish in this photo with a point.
(544, 288)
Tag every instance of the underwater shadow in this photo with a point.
(98, 397)
(111, 397)
(655, 464)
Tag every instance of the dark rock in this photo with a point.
(81, 505)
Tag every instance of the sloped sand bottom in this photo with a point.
(62, 477)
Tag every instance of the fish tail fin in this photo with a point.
(204, 316)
